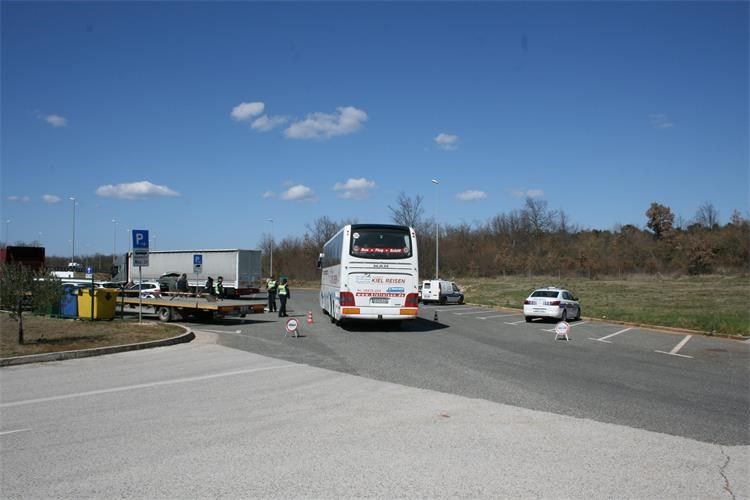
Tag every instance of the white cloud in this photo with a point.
(268, 194)
(134, 191)
(51, 198)
(346, 120)
(23, 199)
(266, 123)
(298, 193)
(247, 110)
(448, 142)
(56, 121)
(354, 189)
(660, 120)
(471, 195)
(528, 193)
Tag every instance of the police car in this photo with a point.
(551, 302)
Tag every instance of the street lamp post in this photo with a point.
(7, 233)
(73, 253)
(271, 264)
(114, 241)
(437, 228)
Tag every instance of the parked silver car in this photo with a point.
(551, 302)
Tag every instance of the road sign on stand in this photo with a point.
(292, 327)
(140, 247)
(197, 263)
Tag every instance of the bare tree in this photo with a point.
(539, 218)
(321, 230)
(707, 215)
(408, 211)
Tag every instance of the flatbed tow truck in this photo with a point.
(183, 306)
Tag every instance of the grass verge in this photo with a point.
(44, 334)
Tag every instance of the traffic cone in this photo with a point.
(309, 317)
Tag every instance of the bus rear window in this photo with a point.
(380, 244)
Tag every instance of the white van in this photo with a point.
(441, 291)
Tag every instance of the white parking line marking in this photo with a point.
(679, 346)
(498, 316)
(471, 312)
(3, 433)
(570, 324)
(145, 386)
(604, 339)
(454, 308)
(516, 323)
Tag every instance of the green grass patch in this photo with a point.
(712, 304)
(44, 334)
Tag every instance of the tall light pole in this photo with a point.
(437, 228)
(7, 233)
(114, 241)
(271, 266)
(73, 253)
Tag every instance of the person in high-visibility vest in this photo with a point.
(219, 287)
(271, 286)
(284, 295)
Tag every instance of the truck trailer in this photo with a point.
(239, 268)
(31, 257)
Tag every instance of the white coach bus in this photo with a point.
(370, 271)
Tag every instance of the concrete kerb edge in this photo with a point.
(188, 336)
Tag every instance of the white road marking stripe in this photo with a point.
(679, 346)
(498, 316)
(517, 322)
(604, 339)
(3, 433)
(471, 312)
(144, 386)
(673, 354)
(454, 308)
(570, 324)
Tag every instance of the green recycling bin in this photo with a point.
(105, 302)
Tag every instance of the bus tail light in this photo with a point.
(412, 300)
(346, 299)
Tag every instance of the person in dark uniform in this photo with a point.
(271, 286)
(182, 284)
(284, 295)
(209, 288)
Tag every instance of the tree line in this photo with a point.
(532, 240)
(535, 240)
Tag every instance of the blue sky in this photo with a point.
(200, 121)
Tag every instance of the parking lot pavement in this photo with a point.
(202, 420)
(670, 344)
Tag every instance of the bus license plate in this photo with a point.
(379, 300)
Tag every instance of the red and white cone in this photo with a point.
(309, 317)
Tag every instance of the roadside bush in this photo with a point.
(19, 281)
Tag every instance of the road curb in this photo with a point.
(98, 351)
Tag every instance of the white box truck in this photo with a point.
(239, 268)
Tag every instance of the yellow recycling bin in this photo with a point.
(104, 303)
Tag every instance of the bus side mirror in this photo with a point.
(320, 260)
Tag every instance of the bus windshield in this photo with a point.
(385, 243)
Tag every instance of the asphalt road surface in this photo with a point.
(606, 372)
(476, 404)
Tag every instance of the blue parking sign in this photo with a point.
(140, 239)
(197, 263)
